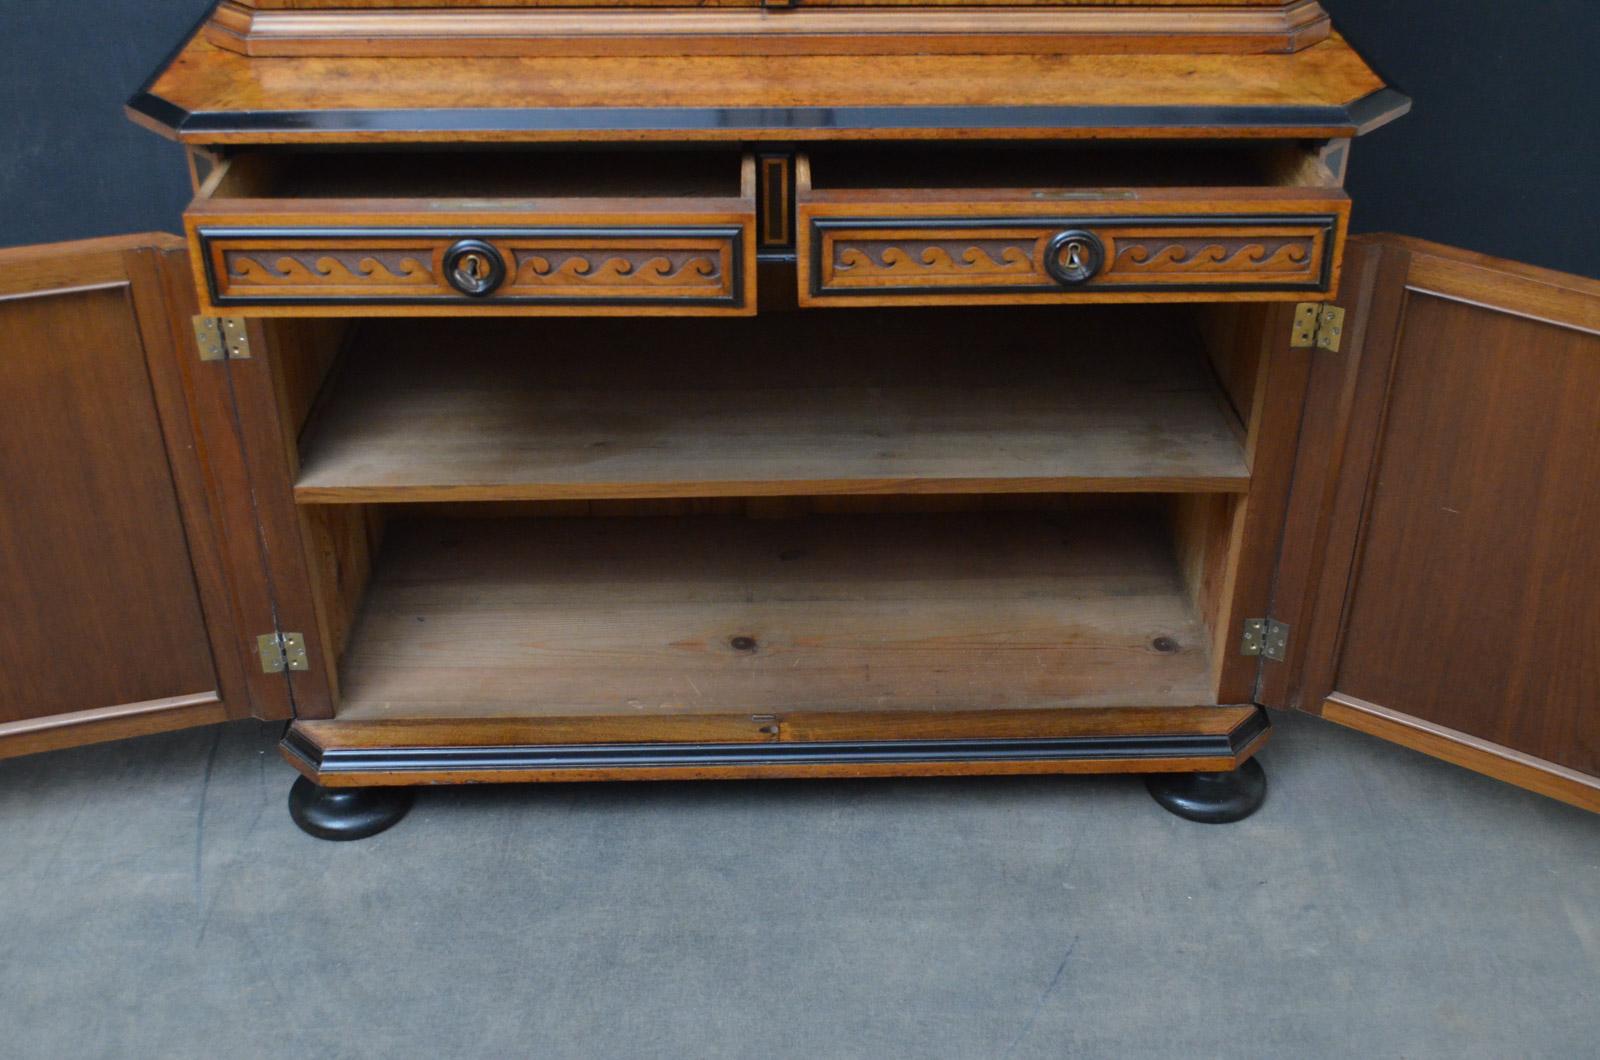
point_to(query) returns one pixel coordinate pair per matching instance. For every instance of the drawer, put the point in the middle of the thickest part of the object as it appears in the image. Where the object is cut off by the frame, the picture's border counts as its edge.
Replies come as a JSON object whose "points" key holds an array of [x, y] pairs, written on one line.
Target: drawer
{"points": [[999, 227], [493, 233]]}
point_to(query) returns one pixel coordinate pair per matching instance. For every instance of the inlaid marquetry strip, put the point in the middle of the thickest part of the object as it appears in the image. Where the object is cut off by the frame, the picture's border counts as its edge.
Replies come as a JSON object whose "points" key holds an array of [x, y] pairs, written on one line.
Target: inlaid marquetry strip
{"points": [[777, 207]]}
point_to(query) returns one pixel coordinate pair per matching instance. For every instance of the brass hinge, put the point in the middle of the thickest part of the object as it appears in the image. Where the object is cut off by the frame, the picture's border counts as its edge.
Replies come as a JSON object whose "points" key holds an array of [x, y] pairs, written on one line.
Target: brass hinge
{"points": [[222, 338], [1264, 637], [1317, 326], [282, 651]]}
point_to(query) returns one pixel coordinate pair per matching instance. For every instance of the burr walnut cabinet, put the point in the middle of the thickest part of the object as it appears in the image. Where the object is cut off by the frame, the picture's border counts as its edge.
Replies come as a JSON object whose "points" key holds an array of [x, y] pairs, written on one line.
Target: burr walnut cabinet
{"points": [[618, 390]]}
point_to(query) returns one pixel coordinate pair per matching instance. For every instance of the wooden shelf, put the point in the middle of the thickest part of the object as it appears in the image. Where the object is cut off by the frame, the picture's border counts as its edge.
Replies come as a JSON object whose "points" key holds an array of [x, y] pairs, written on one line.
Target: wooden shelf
{"points": [[866, 402], [657, 617]]}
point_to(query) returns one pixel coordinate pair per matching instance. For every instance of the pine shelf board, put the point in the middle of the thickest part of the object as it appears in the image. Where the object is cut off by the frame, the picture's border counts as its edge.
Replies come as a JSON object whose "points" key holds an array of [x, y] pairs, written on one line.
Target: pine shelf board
{"points": [[651, 617], [852, 402]]}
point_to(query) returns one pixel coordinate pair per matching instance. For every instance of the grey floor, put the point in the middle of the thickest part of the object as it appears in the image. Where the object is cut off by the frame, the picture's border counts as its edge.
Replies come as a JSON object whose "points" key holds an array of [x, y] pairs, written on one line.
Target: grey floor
{"points": [[155, 901]]}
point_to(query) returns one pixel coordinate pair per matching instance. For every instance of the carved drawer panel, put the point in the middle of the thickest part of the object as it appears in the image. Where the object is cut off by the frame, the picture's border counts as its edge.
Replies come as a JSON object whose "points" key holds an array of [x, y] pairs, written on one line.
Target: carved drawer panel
{"points": [[666, 266], [498, 254], [911, 246]]}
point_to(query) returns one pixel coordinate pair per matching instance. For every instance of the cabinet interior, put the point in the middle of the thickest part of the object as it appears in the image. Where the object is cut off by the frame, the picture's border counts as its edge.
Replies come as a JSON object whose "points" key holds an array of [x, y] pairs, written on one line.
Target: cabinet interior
{"points": [[456, 173], [1141, 164], [873, 509], [715, 173]]}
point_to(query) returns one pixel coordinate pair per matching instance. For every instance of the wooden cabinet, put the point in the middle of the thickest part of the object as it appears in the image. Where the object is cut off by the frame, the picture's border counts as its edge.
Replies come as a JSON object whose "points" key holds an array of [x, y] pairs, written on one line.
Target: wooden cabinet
{"points": [[1079, 468]]}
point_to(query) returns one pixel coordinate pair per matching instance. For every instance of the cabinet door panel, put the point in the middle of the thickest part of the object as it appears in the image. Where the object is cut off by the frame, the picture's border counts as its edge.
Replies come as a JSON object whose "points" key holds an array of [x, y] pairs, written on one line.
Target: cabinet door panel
{"points": [[107, 627], [1457, 607]]}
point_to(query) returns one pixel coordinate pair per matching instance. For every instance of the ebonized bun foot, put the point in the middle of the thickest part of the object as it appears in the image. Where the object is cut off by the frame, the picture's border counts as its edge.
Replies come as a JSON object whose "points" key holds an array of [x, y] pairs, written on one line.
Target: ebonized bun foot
{"points": [[346, 813], [1211, 798]]}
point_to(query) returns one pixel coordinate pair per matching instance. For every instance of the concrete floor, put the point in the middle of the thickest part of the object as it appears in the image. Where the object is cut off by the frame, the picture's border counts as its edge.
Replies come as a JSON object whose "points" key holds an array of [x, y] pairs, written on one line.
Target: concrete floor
{"points": [[156, 901]]}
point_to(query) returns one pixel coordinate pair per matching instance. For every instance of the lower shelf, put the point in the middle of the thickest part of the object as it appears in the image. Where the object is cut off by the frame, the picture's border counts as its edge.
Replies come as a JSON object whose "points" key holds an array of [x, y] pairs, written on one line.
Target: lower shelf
{"points": [[635, 619]]}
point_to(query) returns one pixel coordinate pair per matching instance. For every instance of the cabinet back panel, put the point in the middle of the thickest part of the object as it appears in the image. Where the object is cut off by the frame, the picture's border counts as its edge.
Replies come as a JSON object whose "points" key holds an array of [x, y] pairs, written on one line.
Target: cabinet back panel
{"points": [[98, 602]]}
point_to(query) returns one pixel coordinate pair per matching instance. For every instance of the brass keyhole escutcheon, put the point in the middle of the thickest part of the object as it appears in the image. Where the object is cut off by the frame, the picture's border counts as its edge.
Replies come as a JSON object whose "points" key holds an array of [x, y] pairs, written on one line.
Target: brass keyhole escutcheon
{"points": [[1074, 257], [474, 268]]}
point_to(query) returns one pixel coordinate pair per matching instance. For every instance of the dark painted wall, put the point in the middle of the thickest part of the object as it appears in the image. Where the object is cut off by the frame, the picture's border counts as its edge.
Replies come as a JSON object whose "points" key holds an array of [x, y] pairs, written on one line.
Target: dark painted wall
{"points": [[1501, 155], [1501, 152], [71, 166]]}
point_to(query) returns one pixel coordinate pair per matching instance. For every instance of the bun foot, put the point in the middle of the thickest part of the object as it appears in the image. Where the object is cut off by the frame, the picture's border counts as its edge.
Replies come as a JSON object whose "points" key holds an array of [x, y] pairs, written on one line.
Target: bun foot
{"points": [[346, 813], [1211, 798]]}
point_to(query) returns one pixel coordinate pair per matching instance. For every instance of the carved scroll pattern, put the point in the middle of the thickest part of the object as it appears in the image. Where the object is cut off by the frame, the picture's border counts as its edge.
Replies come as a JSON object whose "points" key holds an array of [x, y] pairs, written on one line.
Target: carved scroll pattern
{"points": [[322, 271], [585, 269], [869, 262], [1153, 259]]}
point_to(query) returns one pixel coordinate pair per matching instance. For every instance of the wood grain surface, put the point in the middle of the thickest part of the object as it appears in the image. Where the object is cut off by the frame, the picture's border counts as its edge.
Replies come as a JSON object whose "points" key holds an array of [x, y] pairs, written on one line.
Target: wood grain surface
{"points": [[212, 95], [746, 27], [1486, 489], [641, 617], [1456, 598], [884, 401], [333, 235], [976, 227], [116, 620]]}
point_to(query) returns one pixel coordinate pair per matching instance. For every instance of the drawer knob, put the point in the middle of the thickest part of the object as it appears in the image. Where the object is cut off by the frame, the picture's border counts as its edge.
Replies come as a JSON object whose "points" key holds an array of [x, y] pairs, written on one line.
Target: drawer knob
{"points": [[1074, 256], [474, 268]]}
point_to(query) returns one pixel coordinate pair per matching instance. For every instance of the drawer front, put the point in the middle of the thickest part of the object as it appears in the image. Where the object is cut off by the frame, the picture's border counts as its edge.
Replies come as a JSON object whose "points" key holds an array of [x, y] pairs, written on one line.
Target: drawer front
{"points": [[954, 229], [1068, 257], [461, 269]]}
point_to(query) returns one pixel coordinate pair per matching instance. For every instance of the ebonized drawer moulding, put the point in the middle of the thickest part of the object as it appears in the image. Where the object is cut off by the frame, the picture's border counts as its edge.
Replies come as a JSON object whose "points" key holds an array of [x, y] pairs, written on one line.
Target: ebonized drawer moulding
{"points": [[918, 389]]}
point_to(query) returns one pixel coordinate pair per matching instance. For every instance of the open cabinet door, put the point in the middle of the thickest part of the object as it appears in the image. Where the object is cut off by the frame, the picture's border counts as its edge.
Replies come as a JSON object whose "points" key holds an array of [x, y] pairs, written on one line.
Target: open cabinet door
{"points": [[1441, 565], [116, 615]]}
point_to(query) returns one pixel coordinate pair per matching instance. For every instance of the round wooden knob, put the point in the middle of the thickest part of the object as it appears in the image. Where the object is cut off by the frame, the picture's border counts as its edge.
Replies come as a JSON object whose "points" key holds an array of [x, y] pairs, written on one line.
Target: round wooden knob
{"points": [[1074, 257], [474, 268]]}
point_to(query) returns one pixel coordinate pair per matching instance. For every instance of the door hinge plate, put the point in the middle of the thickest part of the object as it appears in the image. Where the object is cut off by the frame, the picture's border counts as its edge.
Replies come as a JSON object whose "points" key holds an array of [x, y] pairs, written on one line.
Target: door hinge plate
{"points": [[282, 651], [1317, 326], [1266, 638], [222, 338]]}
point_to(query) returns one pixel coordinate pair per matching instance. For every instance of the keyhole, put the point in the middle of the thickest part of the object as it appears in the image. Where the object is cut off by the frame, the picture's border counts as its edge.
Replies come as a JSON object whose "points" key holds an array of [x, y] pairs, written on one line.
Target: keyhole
{"points": [[473, 267], [1073, 257]]}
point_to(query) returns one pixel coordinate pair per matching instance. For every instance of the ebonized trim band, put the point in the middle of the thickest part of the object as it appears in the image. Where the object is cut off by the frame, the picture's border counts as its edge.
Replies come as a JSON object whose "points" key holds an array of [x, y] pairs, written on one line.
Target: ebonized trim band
{"points": [[1361, 115], [1378, 109], [530, 758]]}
